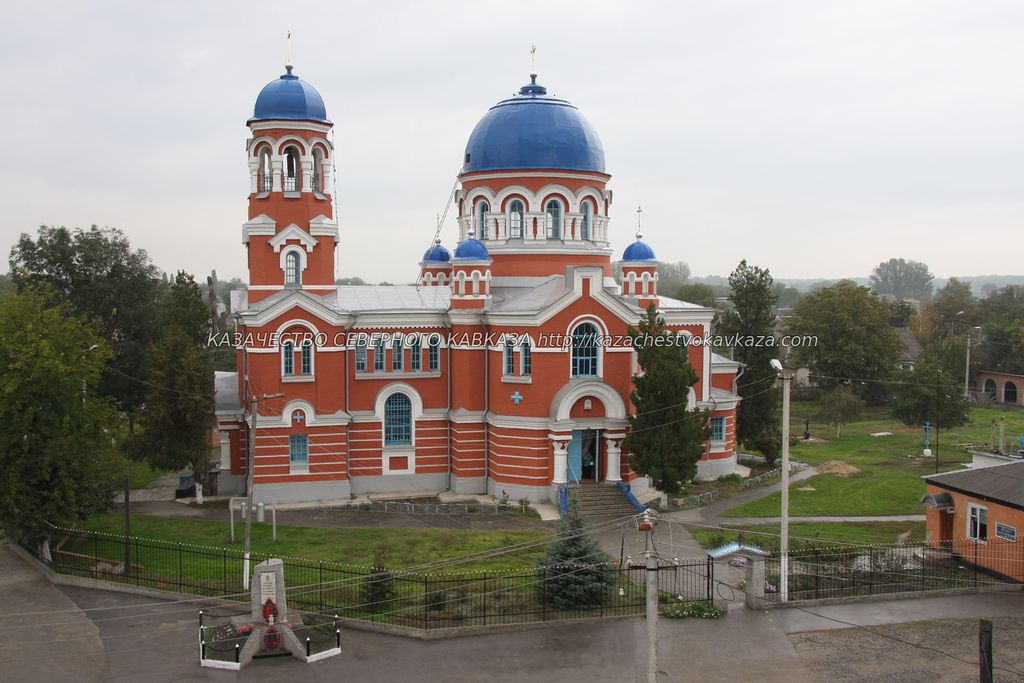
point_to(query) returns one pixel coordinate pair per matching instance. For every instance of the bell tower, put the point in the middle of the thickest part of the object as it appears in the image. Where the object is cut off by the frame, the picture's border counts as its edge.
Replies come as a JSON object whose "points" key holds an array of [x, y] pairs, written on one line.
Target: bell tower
{"points": [[291, 235]]}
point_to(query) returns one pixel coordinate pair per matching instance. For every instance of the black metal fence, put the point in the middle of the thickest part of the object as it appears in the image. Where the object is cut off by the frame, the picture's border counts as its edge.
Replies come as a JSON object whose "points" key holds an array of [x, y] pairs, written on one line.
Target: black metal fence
{"points": [[856, 570], [413, 599]]}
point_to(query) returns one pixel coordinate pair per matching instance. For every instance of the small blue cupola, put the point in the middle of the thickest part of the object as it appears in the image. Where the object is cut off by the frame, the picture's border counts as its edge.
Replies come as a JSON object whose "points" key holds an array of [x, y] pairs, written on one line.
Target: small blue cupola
{"points": [[471, 249], [639, 251], [437, 254], [289, 97]]}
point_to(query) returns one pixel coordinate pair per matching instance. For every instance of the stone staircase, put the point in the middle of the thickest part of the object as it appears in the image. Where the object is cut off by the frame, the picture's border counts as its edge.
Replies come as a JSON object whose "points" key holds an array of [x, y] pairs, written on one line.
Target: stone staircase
{"points": [[602, 501]]}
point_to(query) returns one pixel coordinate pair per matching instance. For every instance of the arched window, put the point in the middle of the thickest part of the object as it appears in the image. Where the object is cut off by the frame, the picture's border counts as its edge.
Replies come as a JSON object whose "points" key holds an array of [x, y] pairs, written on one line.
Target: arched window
{"points": [[306, 364], [515, 219], [318, 170], [585, 342], [990, 388], [397, 420], [510, 357], [434, 353], [585, 222], [288, 359], [416, 354], [553, 219], [378, 356], [361, 354], [481, 219], [266, 171], [291, 169], [292, 269], [1009, 393], [525, 359]]}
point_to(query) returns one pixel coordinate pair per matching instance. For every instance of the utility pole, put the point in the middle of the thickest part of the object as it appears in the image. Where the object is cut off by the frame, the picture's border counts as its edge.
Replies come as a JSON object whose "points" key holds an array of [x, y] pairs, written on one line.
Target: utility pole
{"points": [[938, 388], [786, 375], [967, 368], [249, 463], [647, 526]]}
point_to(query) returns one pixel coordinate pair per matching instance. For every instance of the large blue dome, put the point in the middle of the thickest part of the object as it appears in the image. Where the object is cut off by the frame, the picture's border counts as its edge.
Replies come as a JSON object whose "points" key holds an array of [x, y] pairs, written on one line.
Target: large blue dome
{"points": [[289, 97], [533, 131]]}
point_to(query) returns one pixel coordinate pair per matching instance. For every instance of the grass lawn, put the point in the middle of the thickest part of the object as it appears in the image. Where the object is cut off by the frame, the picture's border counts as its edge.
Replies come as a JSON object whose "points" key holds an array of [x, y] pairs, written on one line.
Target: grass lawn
{"points": [[888, 483], [396, 547], [141, 474], [813, 533]]}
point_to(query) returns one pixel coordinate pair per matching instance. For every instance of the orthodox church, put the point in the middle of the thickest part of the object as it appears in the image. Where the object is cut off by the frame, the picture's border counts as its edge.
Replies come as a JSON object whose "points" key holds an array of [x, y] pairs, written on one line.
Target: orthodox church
{"points": [[506, 369]]}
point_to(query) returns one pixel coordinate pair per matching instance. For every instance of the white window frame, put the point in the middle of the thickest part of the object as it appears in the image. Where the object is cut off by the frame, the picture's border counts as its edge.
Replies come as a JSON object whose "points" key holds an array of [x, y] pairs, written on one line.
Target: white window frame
{"points": [[725, 425], [982, 510]]}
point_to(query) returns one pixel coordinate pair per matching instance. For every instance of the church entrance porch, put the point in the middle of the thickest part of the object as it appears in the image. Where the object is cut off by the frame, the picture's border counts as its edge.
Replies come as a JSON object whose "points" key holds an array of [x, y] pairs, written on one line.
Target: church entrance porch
{"points": [[584, 456]]}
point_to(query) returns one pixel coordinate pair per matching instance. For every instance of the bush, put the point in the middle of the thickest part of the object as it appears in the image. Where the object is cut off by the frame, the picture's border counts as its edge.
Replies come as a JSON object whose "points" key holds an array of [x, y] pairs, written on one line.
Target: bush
{"points": [[379, 587], [696, 609], [730, 478]]}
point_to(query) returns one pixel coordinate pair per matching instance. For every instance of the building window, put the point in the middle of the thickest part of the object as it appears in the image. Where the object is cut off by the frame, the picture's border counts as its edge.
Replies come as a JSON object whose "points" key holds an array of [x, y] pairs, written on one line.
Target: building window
{"points": [[360, 355], [292, 269], [510, 357], [990, 389], [396, 354], [397, 420], [718, 430], [298, 451], [291, 169], [585, 222], [1009, 393], [266, 171], [553, 219], [526, 359], [307, 358], [481, 219], [434, 354], [416, 355], [318, 163], [515, 219], [378, 356], [585, 342], [977, 523], [288, 359]]}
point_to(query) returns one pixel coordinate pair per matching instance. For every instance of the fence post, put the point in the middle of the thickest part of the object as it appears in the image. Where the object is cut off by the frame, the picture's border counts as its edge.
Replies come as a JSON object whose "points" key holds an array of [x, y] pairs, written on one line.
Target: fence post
{"points": [[181, 573], [321, 591], [871, 570], [224, 572], [485, 598], [817, 574], [711, 569]]}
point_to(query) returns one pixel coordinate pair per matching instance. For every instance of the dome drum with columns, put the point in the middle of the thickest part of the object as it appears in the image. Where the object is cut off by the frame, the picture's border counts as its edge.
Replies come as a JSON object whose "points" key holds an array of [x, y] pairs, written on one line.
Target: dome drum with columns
{"points": [[488, 375]]}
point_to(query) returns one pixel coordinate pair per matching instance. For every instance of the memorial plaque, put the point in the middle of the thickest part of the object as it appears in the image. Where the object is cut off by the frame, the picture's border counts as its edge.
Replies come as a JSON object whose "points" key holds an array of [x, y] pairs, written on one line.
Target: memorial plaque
{"points": [[268, 587]]}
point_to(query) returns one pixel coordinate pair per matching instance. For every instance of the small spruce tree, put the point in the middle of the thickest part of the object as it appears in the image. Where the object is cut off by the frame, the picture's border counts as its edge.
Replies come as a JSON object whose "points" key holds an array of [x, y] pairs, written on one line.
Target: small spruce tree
{"points": [[574, 572], [379, 586]]}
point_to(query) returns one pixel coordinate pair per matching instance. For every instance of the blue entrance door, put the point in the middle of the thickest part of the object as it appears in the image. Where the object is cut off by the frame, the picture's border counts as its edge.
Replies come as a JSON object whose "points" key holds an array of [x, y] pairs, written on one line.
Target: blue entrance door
{"points": [[575, 468]]}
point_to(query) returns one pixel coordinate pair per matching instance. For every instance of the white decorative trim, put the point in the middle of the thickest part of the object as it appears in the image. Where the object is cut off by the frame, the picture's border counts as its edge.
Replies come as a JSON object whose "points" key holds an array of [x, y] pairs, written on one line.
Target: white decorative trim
{"points": [[562, 402], [293, 232], [323, 226], [262, 225]]}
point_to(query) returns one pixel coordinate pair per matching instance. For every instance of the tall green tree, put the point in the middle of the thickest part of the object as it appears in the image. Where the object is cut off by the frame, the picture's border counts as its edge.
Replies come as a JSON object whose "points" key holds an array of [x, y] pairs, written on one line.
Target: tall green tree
{"points": [[57, 464], [575, 572], [902, 279], [665, 440], [696, 293], [105, 280], [178, 415], [855, 341], [1002, 333], [752, 316]]}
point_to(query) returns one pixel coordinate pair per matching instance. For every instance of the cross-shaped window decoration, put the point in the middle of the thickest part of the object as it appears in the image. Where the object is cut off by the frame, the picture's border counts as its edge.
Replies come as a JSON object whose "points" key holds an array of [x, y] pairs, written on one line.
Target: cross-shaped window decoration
{"points": [[517, 398]]}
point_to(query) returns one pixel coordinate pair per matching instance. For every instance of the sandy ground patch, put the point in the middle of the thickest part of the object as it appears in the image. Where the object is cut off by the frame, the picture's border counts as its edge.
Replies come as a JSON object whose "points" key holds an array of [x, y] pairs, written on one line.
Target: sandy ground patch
{"points": [[838, 468]]}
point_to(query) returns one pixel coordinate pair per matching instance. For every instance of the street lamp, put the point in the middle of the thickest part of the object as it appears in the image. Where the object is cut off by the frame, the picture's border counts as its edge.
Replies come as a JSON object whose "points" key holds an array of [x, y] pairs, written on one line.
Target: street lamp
{"points": [[786, 376], [250, 456]]}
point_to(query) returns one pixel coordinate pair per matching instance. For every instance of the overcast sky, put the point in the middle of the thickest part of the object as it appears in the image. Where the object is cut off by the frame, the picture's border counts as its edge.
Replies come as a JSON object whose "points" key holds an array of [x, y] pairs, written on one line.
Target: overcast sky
{"points": [[814, 138]]}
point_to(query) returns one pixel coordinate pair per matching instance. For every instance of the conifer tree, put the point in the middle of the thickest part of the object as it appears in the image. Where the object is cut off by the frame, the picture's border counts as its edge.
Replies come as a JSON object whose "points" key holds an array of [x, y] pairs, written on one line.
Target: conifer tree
{"points": [[575, 573], [666, 439]]}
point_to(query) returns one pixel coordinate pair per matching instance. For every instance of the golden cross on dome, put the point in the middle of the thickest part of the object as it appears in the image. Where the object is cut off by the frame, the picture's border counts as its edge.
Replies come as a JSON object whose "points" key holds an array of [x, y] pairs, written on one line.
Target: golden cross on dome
{"points": [[533, 59], [289, 65], [639, 211]]}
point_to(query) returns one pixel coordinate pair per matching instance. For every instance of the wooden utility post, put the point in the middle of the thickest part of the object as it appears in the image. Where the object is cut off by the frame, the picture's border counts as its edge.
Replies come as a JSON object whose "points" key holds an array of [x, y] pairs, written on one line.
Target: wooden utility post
{"points": [[985, 650]]}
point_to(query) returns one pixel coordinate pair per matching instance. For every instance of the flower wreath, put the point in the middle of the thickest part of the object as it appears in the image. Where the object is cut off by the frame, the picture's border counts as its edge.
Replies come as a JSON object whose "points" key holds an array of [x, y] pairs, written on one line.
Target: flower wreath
{"points": [[271, 639], [269, 610]]}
